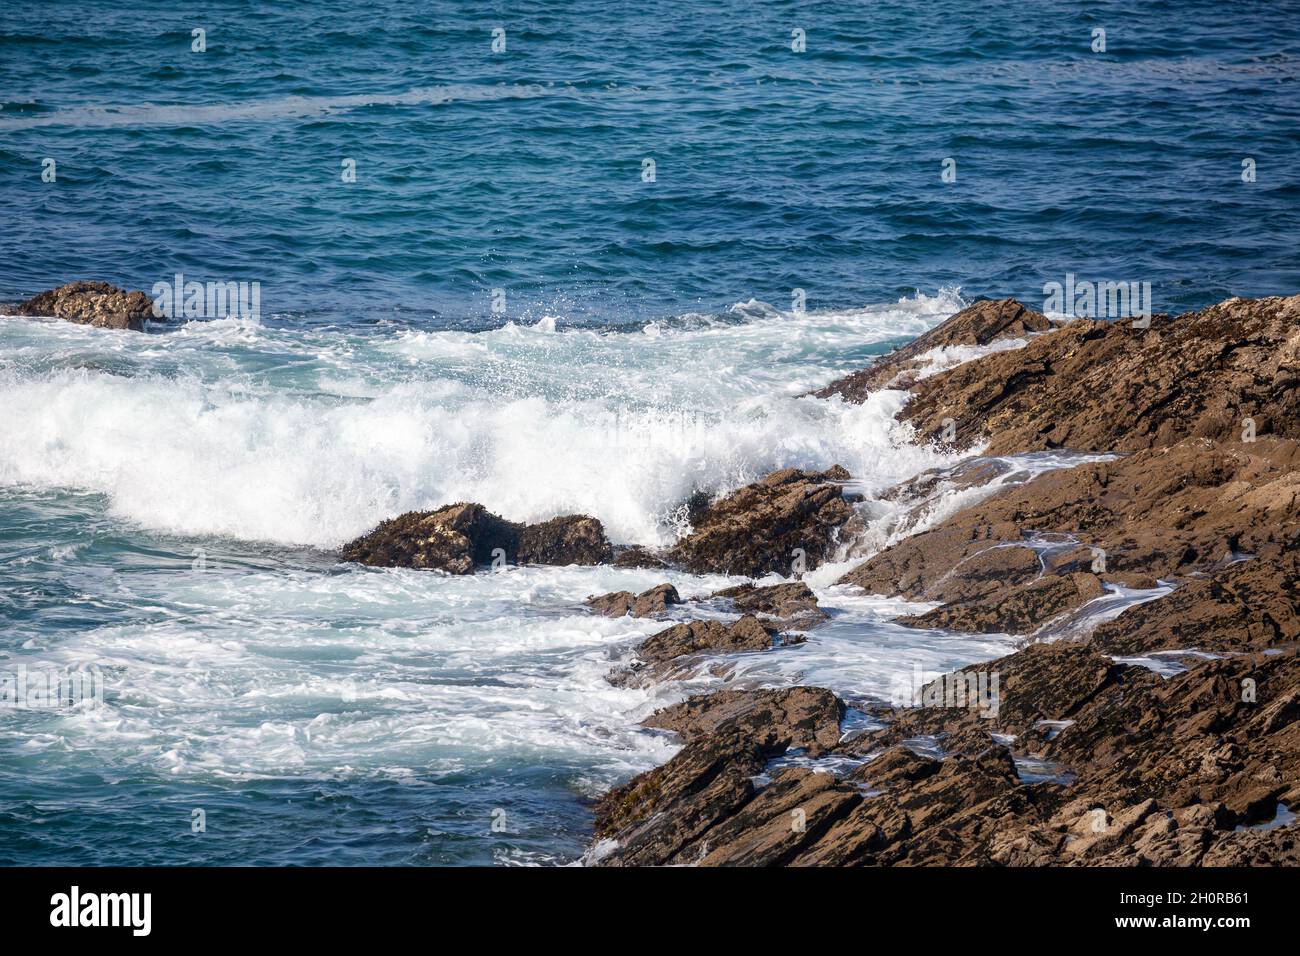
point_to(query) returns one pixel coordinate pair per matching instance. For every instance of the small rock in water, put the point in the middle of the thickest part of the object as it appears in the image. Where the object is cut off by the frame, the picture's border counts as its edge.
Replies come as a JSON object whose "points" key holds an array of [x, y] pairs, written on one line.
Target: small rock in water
{"points": [[648, 603], [97, 304], [460, 537], [793, 603]]}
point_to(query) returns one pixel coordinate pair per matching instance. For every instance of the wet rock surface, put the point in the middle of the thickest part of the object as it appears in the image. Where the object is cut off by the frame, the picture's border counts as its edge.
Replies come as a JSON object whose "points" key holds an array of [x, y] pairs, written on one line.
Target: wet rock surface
{"points": [[1108, 386], [979, 324], [792, 603], [803, 717], [1153, 771], [569, 539], [462, 537], [679, 650], [97, 304], [1250, 604], [790, 519], [636, 556], [649, 603], [1024, 556]]}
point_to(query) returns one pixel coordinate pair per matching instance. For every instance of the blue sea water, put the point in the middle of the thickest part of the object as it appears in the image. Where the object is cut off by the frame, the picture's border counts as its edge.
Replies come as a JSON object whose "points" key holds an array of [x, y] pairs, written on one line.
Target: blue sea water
{"points": [[775, 170], [170, 503]]}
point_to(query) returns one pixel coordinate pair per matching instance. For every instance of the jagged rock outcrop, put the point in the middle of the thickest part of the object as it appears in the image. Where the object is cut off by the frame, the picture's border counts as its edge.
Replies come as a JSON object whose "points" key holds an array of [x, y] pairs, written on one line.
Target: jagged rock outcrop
{"points": [[1166, 736], [458, 538], [789, 519], [804, 717], [1016, 610], [1037, 549], [1249, 605], [98, 304], [1109, 386], [569, 539], [1187, 770], [978, 324], [659, 816]]}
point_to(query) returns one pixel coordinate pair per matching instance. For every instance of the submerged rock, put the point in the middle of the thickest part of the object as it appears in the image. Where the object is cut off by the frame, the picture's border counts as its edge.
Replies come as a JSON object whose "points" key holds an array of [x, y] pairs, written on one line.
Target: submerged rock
{"points": [[98, 304], [458, 538], [978, 324], [790, 520]]}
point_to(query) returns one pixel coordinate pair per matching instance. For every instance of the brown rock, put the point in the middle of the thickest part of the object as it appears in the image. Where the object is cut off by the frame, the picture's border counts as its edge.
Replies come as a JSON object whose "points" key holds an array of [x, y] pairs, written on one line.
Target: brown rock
{"points": [[761, 528], [1133, 768], [1107, 386], [1013, 610], [785, 819], [1276, 847], [804, 717], [657, 817], [678, 651], [1165, 772], [668, 815], [636, 556], [792, 603], [1161, 513], [98, 304], [457, 538], [569, 539], [1248, 605], [918, 570], [978, 324], [694, 637], [649, 603]]}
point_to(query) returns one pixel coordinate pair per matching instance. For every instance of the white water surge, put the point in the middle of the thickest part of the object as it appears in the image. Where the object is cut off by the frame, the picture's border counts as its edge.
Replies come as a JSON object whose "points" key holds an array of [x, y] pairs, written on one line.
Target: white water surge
{"points": [[310, 437]]}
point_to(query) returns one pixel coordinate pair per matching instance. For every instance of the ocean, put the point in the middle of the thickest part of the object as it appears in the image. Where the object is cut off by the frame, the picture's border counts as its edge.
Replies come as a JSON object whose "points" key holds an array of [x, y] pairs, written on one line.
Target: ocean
{"points": [[554, 258]]}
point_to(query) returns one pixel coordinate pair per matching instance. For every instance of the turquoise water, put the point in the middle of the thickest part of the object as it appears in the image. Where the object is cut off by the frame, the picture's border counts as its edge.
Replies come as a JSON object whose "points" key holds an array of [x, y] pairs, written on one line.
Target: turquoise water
{"points": [[170, 504]]}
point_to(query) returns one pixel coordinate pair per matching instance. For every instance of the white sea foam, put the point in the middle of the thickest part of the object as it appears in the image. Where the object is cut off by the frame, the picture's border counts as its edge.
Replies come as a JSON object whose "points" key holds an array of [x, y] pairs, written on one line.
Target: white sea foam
{"points": [[385, 672], [184, 432]]}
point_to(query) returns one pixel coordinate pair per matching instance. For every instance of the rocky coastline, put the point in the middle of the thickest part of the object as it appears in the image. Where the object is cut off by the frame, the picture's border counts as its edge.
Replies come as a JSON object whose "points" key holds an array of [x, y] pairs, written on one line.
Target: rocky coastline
{"points": [[1167, 733]]}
